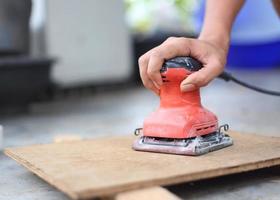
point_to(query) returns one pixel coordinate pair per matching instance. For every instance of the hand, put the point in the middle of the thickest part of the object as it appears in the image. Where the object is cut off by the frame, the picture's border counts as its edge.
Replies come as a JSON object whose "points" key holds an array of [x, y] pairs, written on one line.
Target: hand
{"points": [[213, 58]]}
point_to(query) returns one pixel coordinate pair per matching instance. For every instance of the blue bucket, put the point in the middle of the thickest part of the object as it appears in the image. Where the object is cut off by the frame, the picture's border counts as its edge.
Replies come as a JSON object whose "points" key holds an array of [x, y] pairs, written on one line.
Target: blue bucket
{"points": [[254, 56]]}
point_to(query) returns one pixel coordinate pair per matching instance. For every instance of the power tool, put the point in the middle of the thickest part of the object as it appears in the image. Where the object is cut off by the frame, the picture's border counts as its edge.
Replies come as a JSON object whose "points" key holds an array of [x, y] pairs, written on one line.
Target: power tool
{"points": [[181, 125]]}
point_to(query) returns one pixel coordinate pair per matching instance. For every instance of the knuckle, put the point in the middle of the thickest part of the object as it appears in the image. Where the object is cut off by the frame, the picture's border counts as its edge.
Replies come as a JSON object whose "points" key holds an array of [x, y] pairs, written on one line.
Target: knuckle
{"points": [[172, 46], [183, 40], [157, 54], [142, 61], [148, 85], [180, 39], [152, 72], [170, 39], [146, 82], [189, 42]]}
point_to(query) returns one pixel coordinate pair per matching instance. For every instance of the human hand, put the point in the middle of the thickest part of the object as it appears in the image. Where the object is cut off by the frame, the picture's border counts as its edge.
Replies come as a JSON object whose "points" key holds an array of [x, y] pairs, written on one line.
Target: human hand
{"points": [[211, 55]]}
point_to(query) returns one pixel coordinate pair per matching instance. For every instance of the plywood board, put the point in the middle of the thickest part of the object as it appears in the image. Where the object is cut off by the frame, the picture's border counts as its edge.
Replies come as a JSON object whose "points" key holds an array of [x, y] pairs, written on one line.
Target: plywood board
{"points": [[152, 193], [101, 167]]}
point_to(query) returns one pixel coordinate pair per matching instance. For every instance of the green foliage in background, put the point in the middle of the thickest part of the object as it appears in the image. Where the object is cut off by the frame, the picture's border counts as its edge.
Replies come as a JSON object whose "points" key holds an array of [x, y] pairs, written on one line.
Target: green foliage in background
{"points": [[140, 17]]}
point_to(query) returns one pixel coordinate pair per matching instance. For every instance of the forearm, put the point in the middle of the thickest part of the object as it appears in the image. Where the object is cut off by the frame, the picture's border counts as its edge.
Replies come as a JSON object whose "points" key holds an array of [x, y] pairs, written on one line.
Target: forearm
{"points": [[219, 17], [276, 4]]}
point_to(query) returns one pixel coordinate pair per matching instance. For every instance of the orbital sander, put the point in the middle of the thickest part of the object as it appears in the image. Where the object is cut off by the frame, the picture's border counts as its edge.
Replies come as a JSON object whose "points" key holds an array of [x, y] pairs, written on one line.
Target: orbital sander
{"points": [[181, 125]]}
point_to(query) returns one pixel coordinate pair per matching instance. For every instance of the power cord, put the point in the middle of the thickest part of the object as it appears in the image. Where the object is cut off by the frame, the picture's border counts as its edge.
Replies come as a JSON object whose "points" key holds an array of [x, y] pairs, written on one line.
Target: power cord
{"points": [[228, 77]]}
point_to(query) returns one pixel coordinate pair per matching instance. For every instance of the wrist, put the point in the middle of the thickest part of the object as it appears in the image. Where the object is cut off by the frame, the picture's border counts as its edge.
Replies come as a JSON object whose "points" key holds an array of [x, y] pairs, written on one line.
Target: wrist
{"points": [[220, 40]]}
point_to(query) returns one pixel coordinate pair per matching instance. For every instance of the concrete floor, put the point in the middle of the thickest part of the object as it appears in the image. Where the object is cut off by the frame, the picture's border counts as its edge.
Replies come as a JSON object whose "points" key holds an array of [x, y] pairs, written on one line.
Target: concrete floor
{"points": [[121, 111]]}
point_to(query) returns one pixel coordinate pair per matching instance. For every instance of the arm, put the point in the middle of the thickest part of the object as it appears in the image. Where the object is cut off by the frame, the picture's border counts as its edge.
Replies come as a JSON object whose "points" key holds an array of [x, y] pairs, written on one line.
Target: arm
{"points": [[276, 4], [218, 21], [210, 48]]}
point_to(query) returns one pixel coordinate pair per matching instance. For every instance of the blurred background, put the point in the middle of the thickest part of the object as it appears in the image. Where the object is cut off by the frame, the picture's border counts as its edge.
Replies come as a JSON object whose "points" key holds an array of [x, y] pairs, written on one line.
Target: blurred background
{"points": [[63, 58], [69, 68]]}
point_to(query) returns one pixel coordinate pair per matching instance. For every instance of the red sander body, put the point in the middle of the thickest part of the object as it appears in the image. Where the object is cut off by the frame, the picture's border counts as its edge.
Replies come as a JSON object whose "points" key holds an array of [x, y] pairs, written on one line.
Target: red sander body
{"points": [[181, 125]]}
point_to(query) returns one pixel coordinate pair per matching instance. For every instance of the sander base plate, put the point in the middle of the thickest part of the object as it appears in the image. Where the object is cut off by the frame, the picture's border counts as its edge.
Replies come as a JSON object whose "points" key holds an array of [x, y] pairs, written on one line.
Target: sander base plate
{"points": [[190, 146]]}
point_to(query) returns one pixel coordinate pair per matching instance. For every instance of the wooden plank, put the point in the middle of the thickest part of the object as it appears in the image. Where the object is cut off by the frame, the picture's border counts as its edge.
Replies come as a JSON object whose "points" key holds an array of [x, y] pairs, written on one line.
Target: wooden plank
{"points": [[103, 167], [152, 193]]}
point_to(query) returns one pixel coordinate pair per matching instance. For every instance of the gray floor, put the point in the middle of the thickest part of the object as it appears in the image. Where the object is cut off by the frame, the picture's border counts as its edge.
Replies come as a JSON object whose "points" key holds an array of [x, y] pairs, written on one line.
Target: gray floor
{"points": [[120, 112]]}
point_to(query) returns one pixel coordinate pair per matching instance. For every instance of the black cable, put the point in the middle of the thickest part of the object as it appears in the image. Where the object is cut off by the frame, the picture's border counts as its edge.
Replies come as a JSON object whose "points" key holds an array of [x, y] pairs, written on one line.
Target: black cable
{"points": [[228, 77]]}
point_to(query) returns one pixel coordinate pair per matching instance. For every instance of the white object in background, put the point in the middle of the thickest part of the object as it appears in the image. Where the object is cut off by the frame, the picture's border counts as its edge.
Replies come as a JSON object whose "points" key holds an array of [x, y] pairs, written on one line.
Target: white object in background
{"points": [[1, 138], [37, 28], [90, 39]]}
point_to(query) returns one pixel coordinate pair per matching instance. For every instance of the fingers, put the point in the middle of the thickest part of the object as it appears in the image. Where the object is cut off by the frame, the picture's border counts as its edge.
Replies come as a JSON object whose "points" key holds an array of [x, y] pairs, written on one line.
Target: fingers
{"points": [[143, 65], [154, 66], [151, 62], [202, 77], [212, 58]]}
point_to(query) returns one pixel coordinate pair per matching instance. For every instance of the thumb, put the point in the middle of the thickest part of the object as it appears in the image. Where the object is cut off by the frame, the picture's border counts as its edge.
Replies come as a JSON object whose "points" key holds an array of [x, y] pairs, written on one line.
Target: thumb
{"points": [[198, 79]]}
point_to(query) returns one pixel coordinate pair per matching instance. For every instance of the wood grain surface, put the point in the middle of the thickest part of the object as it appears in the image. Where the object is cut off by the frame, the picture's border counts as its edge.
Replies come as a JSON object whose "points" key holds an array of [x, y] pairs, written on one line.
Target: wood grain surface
{"points": [[106, 166]]}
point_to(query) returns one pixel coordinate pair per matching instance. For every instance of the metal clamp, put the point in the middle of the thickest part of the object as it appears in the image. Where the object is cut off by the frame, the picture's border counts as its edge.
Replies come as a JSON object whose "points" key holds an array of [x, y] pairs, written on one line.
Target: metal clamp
{"points": [[137, 131], [225, 127]]}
